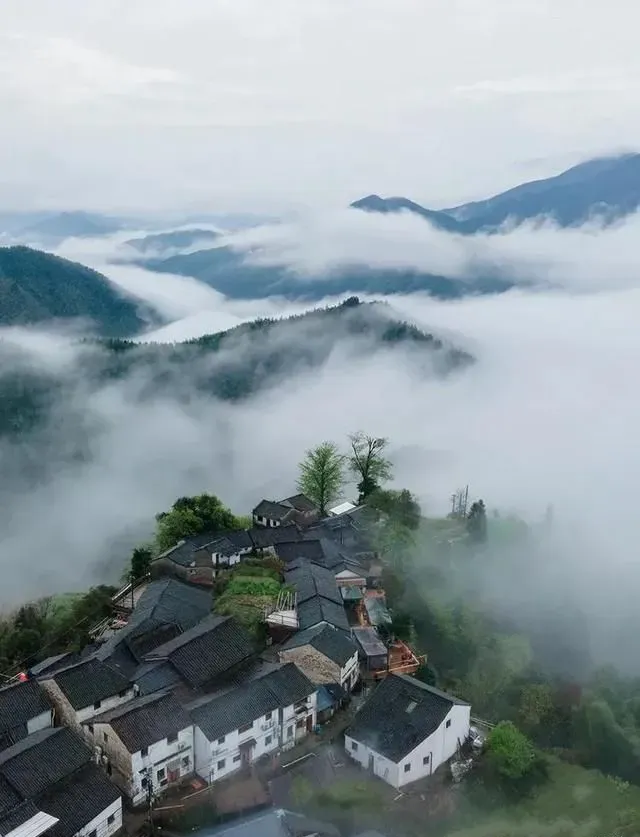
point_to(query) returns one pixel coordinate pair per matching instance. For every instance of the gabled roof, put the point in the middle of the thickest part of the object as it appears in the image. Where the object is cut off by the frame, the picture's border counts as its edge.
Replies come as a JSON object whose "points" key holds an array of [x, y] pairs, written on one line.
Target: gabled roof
{"points": [[319, 609], [208, 650], [334, 644], [78, 800], [166, 608], [46, 757], [19, 703], [301, 503], [276, 822], [89, 682], [399, 715], [26, 814], [54, 662], [312, 580], [271, 510], [320, 551], [243, 705], [144, 721], [263, 538], [155, 676]]}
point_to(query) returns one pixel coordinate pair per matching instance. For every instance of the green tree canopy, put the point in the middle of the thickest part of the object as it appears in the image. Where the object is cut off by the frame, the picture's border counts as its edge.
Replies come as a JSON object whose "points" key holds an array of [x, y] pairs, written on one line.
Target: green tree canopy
{"points": [[400, 506], [511, 753], [190, 516], [368, 463], [141, 558], [477, 522], [321, 475]]}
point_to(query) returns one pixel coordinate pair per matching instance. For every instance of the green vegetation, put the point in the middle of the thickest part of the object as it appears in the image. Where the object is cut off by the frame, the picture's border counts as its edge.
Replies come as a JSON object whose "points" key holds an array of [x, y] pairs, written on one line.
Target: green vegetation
{"points": [[247, 590], [38, 287], [190, 516], [509, 752], [322, 475], [368, 463]]}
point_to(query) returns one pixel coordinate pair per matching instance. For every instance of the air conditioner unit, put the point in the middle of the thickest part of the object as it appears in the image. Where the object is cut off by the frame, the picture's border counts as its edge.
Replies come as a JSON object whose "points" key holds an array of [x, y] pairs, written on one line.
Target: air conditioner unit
{"points": [[183, 745], [105, 759]]}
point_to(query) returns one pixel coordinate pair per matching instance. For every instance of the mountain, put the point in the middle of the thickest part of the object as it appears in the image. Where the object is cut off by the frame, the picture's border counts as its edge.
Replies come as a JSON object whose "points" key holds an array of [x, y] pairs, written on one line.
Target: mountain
{"points": [[374, 203], [233, 274], [53, 228], [605, 189], [37, 287], [173, 240], [230, 365]]}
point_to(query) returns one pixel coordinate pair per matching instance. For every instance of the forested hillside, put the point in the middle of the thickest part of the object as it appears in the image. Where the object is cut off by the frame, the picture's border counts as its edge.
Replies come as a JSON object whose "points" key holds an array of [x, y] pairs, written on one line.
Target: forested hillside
{"points": [[38, 287]]}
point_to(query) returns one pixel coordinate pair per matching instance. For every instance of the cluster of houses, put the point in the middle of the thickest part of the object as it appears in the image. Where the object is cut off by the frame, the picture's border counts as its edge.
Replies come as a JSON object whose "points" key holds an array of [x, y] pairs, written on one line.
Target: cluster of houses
{"points": [[171, 693]]}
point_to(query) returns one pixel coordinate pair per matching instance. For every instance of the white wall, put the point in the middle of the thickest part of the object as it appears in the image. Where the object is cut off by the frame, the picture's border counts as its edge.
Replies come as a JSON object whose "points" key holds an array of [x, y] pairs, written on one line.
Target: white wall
{"points": [[100, 823], [382, 766], [270, 734], [40, 722], [108, 703], [158, 757], [350, 672], [438, 748]]}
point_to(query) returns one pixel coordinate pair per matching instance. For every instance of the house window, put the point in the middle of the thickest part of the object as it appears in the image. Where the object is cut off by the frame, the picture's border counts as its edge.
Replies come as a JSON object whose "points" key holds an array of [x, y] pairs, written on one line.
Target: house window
{"points": [[97, 704], [267, 741], [160, 774], [407, 768], [267, 717], [93, 833], [90, 728], [246, 727], [236, 758], [448, 724], [289, 732], [105, 737], [221, 764], [111, 819], [144, 783], [171, 739], [221, 740], [354, 746], [144, 752], [425, 760], [123, 693], [185, 761]]}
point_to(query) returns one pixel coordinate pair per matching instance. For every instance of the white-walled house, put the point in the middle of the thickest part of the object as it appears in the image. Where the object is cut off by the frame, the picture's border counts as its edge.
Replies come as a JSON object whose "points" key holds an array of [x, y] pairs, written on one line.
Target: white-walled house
{"points": [[24, 708], [325, 654], [239, 726], [146, 745], [81, 691], [51, 775], [406, 730]]}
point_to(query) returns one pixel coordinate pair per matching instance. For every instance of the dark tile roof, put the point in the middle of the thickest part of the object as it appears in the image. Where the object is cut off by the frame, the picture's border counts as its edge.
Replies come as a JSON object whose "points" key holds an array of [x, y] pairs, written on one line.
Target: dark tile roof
{"points": [[318, 609], [146, 720], [20, 702], [334, 644], [90, 681], [318, 550], [312, 580], [276, 822], [271, 510], [208, 650], [54, 663], [301, 503], [17, 816], [46, 757], [78, 800], [244, 704], [155, 676], [399, 715], [166, 608], [9, 798], [263, 538], [232, 539]]}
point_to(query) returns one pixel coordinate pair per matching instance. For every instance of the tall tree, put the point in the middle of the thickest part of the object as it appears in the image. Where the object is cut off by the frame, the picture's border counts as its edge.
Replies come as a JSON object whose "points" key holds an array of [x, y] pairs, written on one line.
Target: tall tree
{"points": [[141, 558], [400, 506], [190, 516], [322, 475], [477, 522], [368, 463]]}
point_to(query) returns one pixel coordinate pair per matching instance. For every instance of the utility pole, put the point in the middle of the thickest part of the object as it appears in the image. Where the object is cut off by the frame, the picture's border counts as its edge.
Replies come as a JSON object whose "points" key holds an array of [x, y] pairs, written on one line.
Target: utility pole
{"points": [[146, 773]]}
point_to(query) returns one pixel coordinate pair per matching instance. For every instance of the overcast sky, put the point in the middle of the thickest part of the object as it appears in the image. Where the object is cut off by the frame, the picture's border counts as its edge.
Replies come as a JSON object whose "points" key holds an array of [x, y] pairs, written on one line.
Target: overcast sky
{"points": [[269, 105]]}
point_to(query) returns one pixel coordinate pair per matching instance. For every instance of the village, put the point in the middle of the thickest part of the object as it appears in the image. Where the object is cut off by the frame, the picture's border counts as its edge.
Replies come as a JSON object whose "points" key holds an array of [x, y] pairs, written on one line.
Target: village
{"points": [[175, 703]]}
